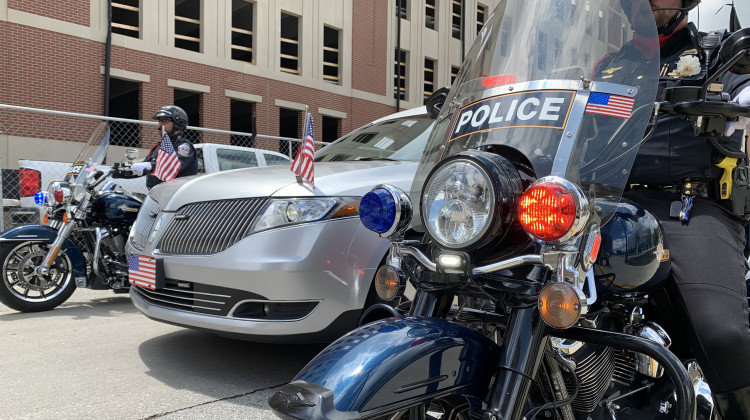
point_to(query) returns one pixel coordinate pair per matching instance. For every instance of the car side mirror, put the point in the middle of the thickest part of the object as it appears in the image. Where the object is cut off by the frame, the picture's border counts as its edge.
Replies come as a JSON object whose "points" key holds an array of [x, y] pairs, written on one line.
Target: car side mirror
{"points": [[737, 47], [131, 154], [436, 100]]}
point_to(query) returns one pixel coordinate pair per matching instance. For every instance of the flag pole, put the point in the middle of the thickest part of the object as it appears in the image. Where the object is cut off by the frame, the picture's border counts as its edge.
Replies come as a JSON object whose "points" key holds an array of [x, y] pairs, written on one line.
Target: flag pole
{"points": [[302, 144]]}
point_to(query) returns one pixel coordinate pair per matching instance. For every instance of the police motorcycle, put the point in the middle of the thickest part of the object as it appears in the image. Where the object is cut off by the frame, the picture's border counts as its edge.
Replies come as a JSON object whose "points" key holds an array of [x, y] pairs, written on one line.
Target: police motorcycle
{"points": [[87, 219], [533, 274]]}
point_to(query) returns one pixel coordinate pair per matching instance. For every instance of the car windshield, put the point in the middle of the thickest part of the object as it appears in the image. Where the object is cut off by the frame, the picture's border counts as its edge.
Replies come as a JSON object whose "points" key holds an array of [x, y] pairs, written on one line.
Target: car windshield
{"points": [[402, 139]]}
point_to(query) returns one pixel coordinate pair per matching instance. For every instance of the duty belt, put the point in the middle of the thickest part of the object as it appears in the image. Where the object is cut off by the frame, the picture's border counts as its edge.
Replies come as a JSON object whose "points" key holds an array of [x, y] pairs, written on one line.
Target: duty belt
{"points": [[690, 188]]}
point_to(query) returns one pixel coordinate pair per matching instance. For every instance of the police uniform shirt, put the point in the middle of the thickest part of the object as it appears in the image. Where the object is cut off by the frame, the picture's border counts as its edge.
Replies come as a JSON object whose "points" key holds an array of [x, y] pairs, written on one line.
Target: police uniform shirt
{"points": [[673, 153]]}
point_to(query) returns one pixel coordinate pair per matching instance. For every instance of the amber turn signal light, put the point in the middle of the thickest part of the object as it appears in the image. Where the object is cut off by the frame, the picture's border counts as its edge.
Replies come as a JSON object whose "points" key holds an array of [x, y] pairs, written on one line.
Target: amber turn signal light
{"points": [[387, 282], [561, 305]]}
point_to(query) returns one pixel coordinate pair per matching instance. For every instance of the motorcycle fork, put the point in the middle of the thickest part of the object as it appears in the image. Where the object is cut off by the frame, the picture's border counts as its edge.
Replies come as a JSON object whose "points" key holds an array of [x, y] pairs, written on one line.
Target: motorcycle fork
{"points": [[54, 247], [520, 356], [432, 304]]}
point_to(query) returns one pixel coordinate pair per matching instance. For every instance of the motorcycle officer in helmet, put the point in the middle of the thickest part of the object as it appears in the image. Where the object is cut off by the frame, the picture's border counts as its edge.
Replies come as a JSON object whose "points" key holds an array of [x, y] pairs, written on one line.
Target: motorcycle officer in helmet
{"points": [[675, 176], [172, 120]]}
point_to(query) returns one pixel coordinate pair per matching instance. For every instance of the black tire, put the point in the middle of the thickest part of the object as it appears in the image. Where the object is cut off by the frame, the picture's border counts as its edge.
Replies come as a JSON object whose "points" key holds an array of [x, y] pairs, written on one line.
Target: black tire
{"points": [[22, 288]]}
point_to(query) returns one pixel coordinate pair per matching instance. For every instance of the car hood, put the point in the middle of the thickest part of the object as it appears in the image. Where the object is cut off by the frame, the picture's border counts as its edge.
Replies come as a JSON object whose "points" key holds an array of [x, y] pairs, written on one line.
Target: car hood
{"points": [[352, 178]]}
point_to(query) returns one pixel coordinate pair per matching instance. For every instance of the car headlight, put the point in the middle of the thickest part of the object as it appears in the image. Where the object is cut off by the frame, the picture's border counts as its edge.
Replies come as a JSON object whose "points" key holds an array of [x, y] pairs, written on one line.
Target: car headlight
{"points": [[283, 212], [457, 203]]}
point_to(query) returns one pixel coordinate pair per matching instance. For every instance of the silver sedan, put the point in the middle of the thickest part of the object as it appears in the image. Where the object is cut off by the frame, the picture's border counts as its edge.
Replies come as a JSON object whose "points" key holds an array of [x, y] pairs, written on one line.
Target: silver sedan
{"points": [[253, 254]]}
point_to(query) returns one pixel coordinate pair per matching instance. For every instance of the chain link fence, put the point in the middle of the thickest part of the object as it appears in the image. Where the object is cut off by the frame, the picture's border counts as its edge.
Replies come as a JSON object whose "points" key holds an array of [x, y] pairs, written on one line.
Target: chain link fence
{"points": [[49, 141]]}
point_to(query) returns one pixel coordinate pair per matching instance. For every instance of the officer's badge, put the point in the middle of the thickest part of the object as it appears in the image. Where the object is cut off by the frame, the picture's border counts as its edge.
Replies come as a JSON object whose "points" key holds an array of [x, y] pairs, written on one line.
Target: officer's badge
{"points": [[183, 150], [687, 65]]}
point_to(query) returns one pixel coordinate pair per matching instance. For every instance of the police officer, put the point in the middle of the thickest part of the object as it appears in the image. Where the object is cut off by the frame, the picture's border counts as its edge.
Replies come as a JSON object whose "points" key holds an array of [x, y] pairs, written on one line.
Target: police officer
{"points": [[173, 120], [706, 239]]}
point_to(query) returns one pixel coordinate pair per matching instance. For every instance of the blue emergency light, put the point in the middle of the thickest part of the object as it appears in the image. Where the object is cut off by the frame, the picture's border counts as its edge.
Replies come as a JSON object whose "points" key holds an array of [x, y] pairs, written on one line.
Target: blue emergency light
{"points": [[40, 198], [377, 211]]}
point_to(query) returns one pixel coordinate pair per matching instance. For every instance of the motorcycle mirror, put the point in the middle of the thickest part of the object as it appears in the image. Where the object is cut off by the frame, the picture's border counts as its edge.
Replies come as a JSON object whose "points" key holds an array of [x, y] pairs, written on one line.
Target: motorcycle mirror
{"points": [[737, 43], [436, 100], [131, 154]]}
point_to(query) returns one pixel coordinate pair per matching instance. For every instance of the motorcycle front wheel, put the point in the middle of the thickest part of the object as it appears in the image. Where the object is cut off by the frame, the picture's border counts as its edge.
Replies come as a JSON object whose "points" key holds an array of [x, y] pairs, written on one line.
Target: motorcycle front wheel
{"points": [[23, 288]]}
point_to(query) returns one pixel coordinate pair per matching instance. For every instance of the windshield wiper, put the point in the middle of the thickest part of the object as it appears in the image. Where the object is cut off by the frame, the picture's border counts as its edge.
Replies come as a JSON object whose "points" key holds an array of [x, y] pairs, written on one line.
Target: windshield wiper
{"points": [[377, 158]]}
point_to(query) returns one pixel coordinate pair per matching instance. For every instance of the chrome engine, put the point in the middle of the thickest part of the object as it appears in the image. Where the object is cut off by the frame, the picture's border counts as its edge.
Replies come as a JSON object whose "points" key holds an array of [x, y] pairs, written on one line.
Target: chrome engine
{"points": [[596, 367]]}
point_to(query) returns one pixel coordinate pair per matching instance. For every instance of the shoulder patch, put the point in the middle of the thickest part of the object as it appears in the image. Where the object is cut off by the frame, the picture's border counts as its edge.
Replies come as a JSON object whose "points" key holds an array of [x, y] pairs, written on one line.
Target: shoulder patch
{"points": [[183, 149]]}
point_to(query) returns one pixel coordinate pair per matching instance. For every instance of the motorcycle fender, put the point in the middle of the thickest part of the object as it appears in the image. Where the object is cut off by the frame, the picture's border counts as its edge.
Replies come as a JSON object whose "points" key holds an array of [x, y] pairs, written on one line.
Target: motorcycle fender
{"points": [[47, 234], [388, 363]]}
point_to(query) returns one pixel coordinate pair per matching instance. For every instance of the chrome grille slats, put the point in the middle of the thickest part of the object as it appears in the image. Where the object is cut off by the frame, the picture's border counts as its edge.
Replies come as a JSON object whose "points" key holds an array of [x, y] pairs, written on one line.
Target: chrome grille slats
{"points": [[209, 227], [144, 222]]}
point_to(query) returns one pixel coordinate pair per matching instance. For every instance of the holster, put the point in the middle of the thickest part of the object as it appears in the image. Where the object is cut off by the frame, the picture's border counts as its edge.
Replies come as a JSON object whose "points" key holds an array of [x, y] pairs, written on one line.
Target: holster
{"points": [[739, 201]]}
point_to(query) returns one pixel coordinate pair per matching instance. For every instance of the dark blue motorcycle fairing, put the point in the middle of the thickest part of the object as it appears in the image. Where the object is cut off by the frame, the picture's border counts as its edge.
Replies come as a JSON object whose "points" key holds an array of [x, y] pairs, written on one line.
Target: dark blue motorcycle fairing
{"points": [[42, 233], [398, 359]]}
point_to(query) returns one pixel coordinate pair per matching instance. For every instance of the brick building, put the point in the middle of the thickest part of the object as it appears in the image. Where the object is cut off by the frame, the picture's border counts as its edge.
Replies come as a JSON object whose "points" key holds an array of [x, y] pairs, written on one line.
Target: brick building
{"points": [[350, 61]]}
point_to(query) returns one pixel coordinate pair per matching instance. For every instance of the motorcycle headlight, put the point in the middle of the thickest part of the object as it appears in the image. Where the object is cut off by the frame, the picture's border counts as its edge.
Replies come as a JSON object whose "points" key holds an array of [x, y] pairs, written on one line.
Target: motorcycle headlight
{"points": [[283, 212], [458, 202]]}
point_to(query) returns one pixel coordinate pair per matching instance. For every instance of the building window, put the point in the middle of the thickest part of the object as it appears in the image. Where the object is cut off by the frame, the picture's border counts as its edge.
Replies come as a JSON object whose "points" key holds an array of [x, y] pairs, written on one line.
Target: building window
{"points": [[191, 103], [601, 26], [290, 127], [429, 78], [243, 22], [505, 33], [541, 54], [588, 23], [399, 75], [402, 9], [289, 57], [430, 14], [242, 120], [331, 72], [454, 73], [331, 129], [187, 24], [572, 14], [456, 18], [559, 11], [481, 16], [124, 100], [126, 18]]}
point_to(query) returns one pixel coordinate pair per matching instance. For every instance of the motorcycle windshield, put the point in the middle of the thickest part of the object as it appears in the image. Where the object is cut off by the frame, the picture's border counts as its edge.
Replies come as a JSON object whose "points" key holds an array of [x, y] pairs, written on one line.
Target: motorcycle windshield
{"points": [[92, 155], [567, 86]]}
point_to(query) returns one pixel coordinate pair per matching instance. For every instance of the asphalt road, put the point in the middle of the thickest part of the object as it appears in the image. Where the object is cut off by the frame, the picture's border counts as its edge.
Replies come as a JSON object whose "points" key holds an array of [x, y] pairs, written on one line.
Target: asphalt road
{"points": [[97, 357]]}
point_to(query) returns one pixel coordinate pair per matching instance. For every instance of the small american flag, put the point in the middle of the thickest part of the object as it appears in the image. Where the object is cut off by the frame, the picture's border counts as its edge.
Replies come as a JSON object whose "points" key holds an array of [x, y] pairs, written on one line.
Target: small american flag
{"points": [[608, 104], [142, 271], [167, 163], [302, 165]]}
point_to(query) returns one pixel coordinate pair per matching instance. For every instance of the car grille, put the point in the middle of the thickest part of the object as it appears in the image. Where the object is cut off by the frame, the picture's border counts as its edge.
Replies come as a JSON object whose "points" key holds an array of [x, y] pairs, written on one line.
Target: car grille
{"points": [[144, 222], [209, 227], [220, 301]]}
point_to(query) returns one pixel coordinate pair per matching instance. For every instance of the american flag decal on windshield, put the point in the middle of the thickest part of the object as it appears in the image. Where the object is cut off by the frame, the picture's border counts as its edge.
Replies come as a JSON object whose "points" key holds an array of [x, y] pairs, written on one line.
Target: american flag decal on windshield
{"points": [[611, 105]]}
